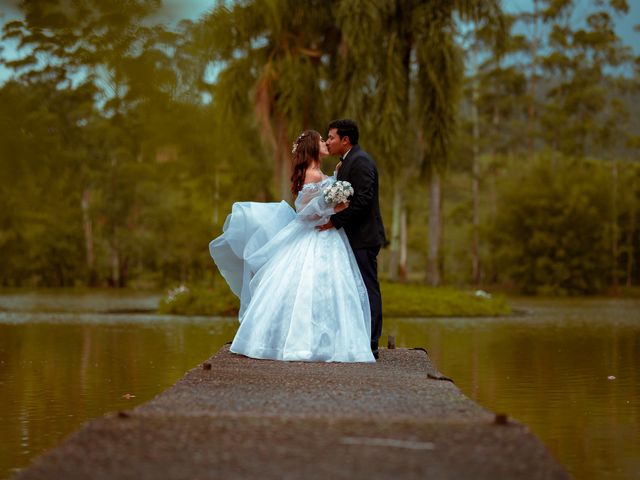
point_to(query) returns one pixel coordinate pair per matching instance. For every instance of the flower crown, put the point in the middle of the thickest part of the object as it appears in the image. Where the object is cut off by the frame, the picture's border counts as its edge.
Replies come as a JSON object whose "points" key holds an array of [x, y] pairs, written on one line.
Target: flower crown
{"points": [[297, 142]]}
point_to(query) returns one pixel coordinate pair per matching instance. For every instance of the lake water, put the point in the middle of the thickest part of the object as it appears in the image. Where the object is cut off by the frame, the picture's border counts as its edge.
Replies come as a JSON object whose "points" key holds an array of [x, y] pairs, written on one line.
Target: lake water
{"points": [[570, 369]]}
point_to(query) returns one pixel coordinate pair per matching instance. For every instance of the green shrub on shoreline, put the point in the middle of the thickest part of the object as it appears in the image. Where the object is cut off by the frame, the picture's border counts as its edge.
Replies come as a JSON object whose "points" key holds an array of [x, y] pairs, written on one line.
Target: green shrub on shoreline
{"points": [[218, 301], [398, 300], [415, 300]]}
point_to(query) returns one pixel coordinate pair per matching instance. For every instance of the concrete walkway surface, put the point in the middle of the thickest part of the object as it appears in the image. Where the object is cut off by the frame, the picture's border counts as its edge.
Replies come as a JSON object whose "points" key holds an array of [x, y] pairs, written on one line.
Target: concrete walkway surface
{"points": [[235, 417]]}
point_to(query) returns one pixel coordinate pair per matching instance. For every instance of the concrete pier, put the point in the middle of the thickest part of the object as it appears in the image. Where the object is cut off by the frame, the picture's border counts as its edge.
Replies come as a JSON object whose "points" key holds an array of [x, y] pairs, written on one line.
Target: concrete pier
{"points": [[235, 417]]}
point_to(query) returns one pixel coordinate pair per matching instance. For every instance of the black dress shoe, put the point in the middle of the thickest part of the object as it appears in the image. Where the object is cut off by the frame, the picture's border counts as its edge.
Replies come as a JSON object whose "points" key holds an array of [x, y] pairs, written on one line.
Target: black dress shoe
{"points": [[375, 354]]}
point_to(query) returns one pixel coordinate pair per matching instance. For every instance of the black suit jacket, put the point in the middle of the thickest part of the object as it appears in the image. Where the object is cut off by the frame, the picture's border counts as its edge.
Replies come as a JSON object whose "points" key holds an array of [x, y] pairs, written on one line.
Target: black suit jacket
{"points": [[362, 221]]}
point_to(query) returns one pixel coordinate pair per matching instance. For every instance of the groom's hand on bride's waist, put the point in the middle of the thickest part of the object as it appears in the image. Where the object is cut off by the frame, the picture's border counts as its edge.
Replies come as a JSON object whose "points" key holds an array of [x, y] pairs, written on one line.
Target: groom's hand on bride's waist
{"points": [[326, 226]]}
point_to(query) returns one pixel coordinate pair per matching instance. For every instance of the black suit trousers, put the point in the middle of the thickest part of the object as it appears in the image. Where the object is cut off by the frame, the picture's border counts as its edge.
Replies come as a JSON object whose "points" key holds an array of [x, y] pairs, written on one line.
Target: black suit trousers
{"points": [[367, 259]]}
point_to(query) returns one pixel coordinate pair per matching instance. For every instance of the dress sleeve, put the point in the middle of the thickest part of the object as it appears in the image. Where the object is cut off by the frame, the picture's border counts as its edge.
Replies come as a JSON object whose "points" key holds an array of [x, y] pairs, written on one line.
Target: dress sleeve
{"points": [[311, 206]]}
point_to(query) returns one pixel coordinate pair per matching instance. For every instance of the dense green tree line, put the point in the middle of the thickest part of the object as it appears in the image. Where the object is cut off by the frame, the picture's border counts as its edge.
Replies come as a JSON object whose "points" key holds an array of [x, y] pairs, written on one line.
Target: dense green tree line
{"points": [[505, 157]]}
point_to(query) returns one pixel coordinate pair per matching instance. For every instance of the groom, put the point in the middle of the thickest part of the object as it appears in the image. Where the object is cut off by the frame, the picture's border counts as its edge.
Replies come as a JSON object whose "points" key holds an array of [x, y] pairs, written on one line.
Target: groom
{"points": [[362, 221]]}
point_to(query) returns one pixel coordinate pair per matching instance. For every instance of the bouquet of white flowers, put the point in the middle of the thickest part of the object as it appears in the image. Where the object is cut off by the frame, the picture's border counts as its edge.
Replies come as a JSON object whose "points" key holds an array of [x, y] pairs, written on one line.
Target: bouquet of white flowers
{"points": [[337, 192]]}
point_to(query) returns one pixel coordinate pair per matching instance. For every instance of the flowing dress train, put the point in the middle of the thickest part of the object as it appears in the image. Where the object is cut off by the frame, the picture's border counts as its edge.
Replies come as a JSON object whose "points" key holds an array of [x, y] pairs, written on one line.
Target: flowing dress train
{"points": [[302, 296]]}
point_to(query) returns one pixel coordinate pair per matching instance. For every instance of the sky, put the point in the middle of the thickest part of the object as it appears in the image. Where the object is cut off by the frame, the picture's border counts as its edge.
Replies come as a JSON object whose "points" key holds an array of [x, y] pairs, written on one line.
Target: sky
{"points": [[176, 10], [624, 24]]}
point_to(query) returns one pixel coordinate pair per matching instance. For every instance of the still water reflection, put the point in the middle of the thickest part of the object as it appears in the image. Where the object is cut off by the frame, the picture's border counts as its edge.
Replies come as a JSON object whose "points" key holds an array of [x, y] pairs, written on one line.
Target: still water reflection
{"points": [[549, 368]]}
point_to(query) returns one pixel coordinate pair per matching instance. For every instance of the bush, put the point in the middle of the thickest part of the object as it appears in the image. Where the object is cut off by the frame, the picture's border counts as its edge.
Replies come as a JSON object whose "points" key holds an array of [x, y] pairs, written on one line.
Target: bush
{"points": [[184, 300], [398, 300], [414, 300], [550, 232]]}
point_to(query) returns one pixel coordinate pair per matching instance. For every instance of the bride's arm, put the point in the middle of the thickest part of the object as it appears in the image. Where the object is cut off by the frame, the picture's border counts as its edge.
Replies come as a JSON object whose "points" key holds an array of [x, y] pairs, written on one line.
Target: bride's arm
{"points": [[311, 205], [340, 207]]}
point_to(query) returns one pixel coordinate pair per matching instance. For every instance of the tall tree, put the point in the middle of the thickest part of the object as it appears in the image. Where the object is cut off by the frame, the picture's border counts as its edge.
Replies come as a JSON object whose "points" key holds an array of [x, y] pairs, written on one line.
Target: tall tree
{"points": [[491, 110], [271, 58], [579, 60], [395, 55], [127, 65], [582, 115]]}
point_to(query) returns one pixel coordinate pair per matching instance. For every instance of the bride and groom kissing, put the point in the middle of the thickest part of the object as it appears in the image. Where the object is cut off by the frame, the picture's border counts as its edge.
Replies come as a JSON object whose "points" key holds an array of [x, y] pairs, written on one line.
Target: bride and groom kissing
{"points": [[307, 278]]}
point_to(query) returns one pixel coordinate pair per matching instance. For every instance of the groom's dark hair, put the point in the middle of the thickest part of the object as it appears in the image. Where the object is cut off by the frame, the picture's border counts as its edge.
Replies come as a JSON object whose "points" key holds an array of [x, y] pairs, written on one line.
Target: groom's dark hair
{"points": [[346, 128]]}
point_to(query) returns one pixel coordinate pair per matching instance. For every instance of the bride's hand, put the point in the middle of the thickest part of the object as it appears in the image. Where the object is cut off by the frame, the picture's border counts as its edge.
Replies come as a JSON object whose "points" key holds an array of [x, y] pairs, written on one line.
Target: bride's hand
{"points": [[340, 207]]}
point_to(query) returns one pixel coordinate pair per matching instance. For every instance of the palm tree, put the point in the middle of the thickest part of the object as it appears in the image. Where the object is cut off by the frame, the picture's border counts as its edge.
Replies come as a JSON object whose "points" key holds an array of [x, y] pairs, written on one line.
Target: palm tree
{"points": [[271, 58], [393, 65], [401, 69]]}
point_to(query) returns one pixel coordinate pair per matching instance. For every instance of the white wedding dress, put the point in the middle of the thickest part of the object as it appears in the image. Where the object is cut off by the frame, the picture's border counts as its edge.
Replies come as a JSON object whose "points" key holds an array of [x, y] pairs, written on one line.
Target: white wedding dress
{"points": [[302, 296]]}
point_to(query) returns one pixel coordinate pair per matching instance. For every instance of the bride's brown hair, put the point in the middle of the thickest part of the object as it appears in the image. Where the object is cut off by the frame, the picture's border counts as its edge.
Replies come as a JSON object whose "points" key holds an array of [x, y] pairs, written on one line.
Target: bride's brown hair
{"points": [[306, 150]]}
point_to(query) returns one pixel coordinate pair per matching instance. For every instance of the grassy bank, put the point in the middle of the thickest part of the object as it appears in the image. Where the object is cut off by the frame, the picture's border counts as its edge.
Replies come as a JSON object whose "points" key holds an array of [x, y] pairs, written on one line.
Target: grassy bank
{"points": [[415, 300], [398, 300]]}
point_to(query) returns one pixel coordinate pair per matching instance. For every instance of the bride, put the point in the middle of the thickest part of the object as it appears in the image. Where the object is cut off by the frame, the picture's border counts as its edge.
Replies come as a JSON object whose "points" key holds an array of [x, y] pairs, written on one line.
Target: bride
{"points": [[302, 296]]}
